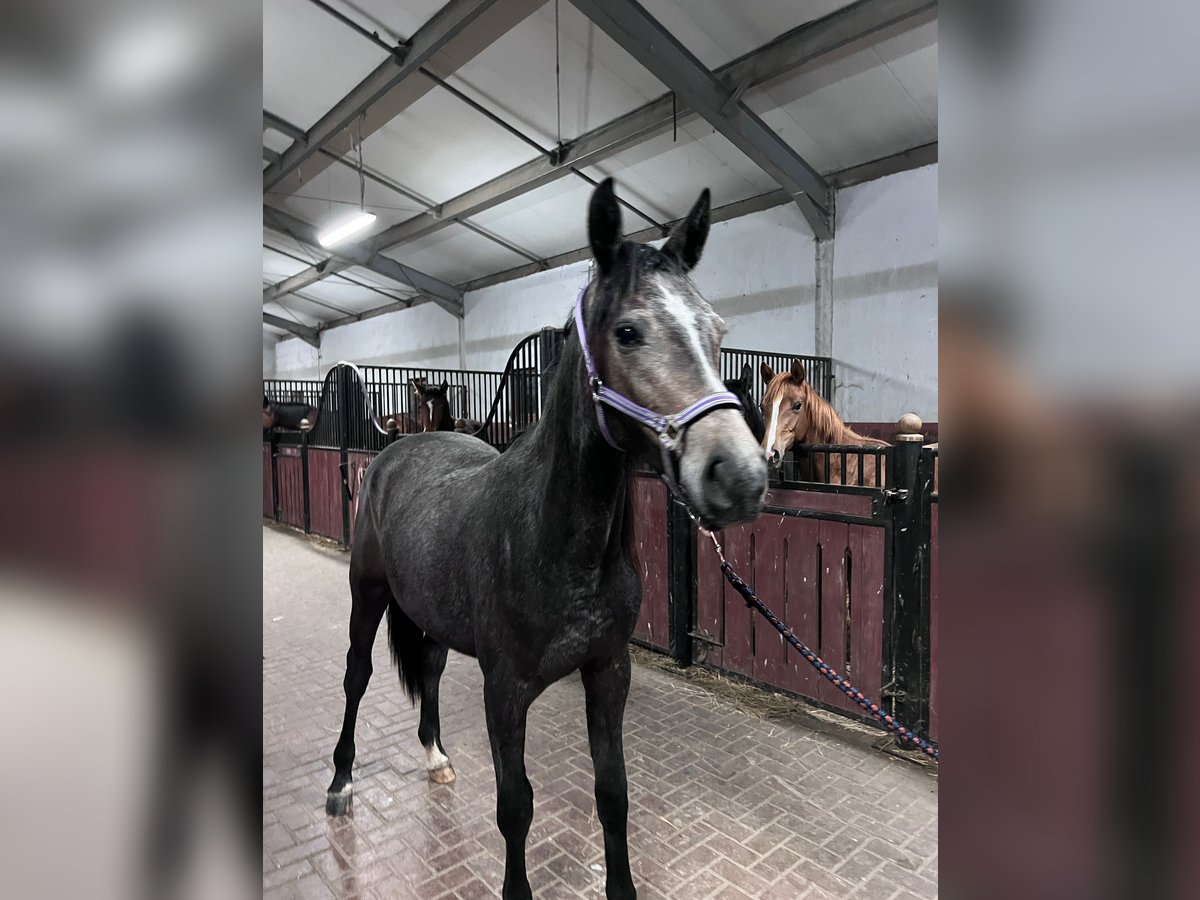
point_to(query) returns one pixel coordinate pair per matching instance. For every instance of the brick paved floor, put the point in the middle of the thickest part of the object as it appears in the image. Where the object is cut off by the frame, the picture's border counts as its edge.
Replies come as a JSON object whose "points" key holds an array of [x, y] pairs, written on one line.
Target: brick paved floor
{"points": [[723, 804]]}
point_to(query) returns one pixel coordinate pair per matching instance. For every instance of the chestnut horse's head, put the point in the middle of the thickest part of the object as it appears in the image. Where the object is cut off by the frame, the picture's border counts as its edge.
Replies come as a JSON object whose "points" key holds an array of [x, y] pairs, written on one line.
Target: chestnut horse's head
{"points": [[432, 406], [787, 407]]}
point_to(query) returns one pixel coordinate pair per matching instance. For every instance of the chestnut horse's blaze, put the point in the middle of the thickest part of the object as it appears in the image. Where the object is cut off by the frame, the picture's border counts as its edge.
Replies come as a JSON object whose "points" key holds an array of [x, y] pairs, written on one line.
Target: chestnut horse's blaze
{"points": [[796, 414]]}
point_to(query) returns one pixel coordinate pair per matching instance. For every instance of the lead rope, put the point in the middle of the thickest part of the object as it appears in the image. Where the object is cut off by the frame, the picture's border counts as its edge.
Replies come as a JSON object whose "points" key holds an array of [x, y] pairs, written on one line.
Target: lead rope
{"points": [[889, 722]]}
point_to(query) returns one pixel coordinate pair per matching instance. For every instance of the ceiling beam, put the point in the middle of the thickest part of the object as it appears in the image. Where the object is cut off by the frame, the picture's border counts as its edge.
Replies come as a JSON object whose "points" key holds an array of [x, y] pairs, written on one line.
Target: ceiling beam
{"points": [[440, 292], [913, 158], [458, 32], [304, 332], [809, 46], [645, 39]]}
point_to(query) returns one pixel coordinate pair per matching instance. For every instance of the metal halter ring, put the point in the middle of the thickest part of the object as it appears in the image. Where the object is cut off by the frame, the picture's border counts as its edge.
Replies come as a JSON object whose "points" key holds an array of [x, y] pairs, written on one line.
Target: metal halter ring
{"points": [[671, 433]]}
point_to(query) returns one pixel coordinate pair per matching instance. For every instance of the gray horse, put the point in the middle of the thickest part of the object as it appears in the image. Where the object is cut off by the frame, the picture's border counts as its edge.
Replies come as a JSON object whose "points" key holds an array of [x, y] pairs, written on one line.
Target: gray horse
{"points": [[524, 561]]}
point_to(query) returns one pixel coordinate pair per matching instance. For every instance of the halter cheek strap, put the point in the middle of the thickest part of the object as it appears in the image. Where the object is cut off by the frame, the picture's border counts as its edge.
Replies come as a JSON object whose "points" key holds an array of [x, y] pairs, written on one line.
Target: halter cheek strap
{"points": [[670, 429]]}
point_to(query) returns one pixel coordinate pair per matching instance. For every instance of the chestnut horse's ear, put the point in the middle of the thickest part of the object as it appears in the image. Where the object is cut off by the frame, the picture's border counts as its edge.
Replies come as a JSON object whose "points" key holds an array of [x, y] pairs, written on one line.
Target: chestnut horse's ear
{"points": [[766, 372], [747, 378], [686, 242], [798, 371], [604, 225]]}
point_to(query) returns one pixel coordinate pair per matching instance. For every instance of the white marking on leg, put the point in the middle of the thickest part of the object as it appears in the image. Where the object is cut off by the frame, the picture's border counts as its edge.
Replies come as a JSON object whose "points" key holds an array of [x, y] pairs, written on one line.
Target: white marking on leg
{"points": [[771, 432], [435, 759]]}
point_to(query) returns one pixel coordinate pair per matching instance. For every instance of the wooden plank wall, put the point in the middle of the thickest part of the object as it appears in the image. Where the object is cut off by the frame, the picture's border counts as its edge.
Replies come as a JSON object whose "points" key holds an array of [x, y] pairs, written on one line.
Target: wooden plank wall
{"points": [[325, 494], [268, 493], [290, 471], [650, 545], [824, 579], [933, 621], [356, 462]]}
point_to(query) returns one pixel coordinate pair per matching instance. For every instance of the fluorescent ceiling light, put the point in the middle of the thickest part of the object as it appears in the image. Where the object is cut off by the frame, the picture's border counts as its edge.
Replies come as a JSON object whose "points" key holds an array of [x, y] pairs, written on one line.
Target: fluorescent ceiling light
{"points": [[343, 231]]}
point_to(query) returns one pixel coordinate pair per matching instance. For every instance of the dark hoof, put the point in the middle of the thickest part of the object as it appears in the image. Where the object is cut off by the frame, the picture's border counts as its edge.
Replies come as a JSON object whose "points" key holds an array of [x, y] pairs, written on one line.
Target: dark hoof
{"points": [[338, 803]]}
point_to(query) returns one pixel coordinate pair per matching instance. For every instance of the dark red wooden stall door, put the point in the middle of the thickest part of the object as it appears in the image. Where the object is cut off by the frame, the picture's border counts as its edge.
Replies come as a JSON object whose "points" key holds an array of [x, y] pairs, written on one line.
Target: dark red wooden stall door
{"points": [[268, 493], [325, 493], [823, 578], [933, 621], [357, 462], [650, 546], [290, 472]]}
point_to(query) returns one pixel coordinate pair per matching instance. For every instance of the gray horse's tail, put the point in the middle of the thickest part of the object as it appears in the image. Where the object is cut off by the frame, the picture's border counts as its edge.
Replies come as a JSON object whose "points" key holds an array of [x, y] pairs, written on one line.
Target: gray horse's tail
{"points": [[405, 639]]}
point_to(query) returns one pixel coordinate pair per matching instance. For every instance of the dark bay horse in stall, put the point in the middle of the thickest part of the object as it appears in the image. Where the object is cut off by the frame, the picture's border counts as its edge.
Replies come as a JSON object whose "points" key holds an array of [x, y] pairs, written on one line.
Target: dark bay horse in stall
{"points": [[525, 560], [286, 416], [432, 406], [796, 415], [431, 410], [742, 388]]}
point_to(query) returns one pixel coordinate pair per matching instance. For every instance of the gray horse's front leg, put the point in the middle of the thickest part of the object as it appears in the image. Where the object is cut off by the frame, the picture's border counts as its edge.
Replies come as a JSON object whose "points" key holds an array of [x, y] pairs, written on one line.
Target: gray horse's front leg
{"points": [[606, 688], [506, 703]]}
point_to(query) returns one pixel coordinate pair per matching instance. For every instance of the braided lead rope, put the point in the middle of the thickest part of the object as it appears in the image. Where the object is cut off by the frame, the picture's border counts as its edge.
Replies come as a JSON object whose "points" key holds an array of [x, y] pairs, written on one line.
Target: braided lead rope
{"points": [[889, 722]]}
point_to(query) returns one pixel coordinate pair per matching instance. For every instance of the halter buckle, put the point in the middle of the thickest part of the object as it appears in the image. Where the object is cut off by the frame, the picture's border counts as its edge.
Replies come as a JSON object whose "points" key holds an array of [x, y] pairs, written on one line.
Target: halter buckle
{"points": [[596, 384], [671, 432]]}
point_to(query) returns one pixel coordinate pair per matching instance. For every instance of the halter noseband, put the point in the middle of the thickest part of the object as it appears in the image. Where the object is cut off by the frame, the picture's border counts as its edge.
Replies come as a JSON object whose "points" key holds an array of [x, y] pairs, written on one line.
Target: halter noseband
{"points": [[670, 429]]}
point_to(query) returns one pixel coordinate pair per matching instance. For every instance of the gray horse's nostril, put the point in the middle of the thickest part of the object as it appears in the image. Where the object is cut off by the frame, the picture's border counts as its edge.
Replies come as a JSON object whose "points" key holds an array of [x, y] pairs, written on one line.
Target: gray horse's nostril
{"points": [[713, 472]]}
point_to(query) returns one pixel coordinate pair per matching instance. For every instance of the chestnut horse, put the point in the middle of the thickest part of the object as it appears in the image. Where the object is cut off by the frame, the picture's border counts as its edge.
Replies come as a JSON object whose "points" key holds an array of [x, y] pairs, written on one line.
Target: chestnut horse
{"points": [[796, 415]]}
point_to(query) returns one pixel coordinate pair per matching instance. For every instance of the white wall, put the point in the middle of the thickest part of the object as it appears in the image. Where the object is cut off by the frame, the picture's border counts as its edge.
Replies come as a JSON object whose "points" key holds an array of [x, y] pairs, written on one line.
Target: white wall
{"points": [[425, 335], [269, 342], [296, 359], [497, 317], [885, 298], [759, 273]]}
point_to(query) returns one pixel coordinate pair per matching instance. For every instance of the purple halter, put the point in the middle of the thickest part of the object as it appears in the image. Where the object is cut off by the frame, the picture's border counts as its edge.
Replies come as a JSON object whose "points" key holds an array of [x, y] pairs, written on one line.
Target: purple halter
{"points": [[670, 429]]}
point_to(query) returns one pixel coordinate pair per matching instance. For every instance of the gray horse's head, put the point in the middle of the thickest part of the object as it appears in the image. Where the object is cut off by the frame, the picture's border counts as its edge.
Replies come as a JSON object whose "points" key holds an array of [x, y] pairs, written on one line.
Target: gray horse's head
{"points": [[657, 341]]}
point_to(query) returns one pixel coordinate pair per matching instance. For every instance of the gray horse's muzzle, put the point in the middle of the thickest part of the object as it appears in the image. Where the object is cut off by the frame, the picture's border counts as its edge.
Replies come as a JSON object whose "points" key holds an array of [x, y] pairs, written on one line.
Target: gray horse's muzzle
{"points": [[723, 471]]}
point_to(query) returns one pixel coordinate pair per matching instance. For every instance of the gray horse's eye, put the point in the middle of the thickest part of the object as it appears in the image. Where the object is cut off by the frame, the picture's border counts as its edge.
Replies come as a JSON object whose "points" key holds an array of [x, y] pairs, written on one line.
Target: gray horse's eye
{"points": [[627, 335]]}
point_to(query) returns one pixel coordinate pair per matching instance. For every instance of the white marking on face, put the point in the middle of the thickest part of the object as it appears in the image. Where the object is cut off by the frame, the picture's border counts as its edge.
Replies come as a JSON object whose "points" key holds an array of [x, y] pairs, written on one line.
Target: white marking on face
{"points": [[771, 432], [435, 759], [677, 308]]}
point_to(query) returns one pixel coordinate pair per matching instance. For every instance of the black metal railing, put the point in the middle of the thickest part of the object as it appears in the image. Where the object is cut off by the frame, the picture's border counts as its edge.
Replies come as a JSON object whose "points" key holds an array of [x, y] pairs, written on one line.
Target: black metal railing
{"points": [[292, 390], [837, 465], [818, 369]]}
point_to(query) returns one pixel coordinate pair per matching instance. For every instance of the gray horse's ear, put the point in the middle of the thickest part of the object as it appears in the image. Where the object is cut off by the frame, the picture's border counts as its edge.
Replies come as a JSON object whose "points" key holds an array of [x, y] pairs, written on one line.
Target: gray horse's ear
{"points": [[604, 225], [747, 378], [798, 371], [766, 372], [686, 242]]}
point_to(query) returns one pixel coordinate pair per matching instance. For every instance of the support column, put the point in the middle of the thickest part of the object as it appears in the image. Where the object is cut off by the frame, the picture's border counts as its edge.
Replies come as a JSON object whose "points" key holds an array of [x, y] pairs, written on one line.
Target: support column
{"points": [[462, 340], [824, 301]]}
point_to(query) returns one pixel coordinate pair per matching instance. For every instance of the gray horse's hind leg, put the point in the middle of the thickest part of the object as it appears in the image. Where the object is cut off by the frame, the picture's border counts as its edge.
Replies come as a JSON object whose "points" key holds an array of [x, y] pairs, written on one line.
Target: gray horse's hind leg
{"points": [[433, 663], [370, 600]]}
